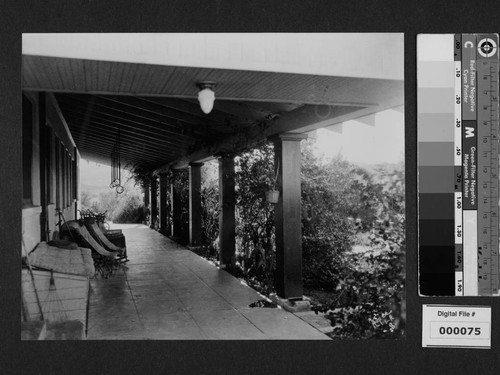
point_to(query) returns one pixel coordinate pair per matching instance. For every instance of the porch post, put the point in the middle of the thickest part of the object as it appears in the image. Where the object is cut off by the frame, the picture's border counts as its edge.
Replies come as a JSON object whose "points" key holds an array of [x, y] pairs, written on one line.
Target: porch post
{"points": [[288, 216], [175, 206], [154, 202], [146, 194], [227, 202], [195, 204], [163, 204]]}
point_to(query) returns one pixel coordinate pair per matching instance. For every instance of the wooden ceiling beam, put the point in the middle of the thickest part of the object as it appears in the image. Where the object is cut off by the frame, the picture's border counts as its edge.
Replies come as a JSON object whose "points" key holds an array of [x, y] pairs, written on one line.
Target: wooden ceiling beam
{"points": [[102, 148], [94, 107], [124, 125], [172, 142], [116, 107], [352, 102], [109, 146], [191, 106], [171, 114], [127, 148], [137, 146], [102, 125], [233, 107]]}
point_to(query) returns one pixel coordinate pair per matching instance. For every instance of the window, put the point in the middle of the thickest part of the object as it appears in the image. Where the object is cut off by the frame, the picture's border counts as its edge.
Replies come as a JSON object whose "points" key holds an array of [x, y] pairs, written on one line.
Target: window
{"points": [[49, 146], [63, 176], [57, 150], [27, 150], [68, 179]]}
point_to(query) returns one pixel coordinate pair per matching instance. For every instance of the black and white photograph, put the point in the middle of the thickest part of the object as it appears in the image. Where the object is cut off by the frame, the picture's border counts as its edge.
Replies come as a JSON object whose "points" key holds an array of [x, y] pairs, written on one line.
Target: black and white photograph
{"points": [[213, 186], [258, 187]]}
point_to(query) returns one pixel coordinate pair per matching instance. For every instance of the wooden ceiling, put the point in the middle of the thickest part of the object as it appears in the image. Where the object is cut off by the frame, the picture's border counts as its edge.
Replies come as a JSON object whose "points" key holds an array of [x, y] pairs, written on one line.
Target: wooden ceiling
{"points": [[153, 131], [155, 109]]}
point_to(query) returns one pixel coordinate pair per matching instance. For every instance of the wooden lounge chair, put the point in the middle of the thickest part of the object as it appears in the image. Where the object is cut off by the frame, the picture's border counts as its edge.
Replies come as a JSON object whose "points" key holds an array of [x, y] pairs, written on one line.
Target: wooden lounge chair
{"points": [[105, 240], [90, 241], [104, 261]]}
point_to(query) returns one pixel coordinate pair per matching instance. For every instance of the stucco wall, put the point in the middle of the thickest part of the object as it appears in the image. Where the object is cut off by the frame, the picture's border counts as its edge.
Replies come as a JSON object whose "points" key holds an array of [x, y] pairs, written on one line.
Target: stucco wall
{"points": [[31, 211]]}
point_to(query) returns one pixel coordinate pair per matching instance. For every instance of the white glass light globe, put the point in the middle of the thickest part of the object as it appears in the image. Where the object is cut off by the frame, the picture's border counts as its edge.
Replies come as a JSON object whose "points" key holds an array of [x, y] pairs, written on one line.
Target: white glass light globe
{"points": [[206, 98]]}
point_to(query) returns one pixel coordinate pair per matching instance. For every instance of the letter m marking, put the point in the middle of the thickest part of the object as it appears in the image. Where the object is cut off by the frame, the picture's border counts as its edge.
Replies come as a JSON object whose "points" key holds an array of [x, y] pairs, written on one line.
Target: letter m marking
{"points": [[469, 132]]}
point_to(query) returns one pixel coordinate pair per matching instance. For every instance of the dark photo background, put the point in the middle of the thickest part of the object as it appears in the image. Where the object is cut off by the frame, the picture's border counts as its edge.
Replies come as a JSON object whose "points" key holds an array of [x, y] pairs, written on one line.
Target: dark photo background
{"points": [[404, 356]]}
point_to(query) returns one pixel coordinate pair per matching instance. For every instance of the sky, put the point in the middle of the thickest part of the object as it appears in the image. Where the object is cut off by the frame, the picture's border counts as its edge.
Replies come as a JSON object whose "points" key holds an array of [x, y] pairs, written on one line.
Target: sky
{"points": [[371, 140], [92, 173]]}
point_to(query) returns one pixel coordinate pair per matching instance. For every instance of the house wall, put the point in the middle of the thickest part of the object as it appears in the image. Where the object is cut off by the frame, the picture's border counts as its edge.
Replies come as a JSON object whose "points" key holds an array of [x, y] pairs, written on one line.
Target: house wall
{"points": [[53, 174]]}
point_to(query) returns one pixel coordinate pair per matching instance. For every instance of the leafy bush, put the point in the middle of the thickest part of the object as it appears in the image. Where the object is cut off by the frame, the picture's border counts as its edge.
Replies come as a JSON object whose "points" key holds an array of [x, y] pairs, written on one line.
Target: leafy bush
{"points": [[255, 216], [371, 283], [210, 210], [130, 209], [326, 231], [181, 184]]}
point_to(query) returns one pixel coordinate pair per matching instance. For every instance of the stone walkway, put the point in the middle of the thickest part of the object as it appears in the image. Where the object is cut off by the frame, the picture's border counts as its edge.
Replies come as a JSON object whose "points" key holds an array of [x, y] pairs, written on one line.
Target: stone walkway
{"points": [[167, 292]]}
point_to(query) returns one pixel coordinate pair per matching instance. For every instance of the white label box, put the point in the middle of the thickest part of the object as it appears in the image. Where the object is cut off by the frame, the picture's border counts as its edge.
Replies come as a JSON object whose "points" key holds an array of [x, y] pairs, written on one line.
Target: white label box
{"points": [[455, 326]]}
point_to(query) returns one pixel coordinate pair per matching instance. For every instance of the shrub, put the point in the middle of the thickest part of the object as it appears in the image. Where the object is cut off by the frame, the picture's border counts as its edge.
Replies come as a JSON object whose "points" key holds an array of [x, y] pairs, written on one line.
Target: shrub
{"points": [[326, 231], [255, 217], [130, 209], [371, 284], [210, 209], [181, 184]]}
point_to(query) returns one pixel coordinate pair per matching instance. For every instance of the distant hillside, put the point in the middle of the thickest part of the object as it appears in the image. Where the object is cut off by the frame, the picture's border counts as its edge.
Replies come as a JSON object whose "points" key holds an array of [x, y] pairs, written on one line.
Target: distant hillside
{"points": [[94, 190], [373, 168]]}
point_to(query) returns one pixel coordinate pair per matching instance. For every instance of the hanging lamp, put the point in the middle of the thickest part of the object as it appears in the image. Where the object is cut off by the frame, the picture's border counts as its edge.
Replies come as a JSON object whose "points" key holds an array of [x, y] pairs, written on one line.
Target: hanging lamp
{"points": [[206, 95]]}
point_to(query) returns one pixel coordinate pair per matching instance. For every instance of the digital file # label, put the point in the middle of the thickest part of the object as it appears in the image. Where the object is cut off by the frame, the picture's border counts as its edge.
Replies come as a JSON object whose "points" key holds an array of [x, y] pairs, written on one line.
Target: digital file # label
{"points": [[456, 326]]}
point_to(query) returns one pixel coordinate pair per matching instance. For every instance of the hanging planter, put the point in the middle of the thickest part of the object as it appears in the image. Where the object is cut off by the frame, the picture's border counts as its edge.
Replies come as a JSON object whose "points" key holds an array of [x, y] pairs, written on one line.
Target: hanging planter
{"points": [[272, 195]]}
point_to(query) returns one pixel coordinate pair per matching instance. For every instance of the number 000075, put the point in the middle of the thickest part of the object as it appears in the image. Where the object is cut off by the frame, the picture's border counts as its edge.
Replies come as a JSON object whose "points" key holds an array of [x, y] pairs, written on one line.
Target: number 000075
{"points": [[463, 331]]}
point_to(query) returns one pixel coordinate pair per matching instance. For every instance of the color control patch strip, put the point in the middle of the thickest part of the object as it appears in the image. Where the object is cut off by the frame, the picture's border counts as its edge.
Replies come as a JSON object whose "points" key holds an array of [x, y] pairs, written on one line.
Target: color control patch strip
{"points": [[457, 80]]}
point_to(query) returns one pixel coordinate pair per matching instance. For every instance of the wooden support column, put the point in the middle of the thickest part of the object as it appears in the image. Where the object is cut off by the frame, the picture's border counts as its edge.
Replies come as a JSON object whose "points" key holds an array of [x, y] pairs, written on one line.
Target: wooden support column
{"points": [[175, 207], [146, 194], [288, 217], [227, 202], [154, 202], [195, 204], [164, 228]]}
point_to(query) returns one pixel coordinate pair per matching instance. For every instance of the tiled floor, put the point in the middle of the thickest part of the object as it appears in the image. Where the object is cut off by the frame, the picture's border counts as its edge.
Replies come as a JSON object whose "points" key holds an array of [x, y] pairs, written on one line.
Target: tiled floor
{"points": [[167, 292]]}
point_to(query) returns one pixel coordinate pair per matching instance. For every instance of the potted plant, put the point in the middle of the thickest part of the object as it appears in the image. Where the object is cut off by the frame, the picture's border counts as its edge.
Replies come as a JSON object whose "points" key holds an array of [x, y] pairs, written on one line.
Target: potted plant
{"points": [[273, 195]]}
